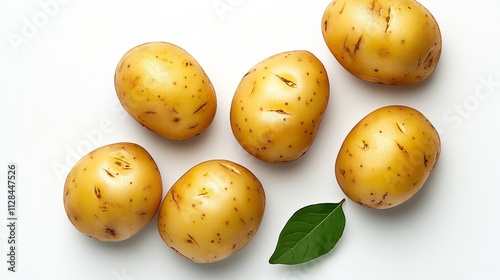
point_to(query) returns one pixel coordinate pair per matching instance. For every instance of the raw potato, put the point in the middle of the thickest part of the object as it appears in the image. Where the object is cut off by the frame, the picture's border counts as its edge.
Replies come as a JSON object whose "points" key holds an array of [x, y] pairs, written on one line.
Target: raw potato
{"points": [[113, 192], [387, 157], [212, 211], [278, 106], [395, 42], [165, 89]]}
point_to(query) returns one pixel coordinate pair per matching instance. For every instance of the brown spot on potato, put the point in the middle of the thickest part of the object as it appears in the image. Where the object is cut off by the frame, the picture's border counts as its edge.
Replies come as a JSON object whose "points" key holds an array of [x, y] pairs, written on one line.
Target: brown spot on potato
{"points": [[191, 240], [109, 173], [204, 192], [401, 127], [282, 112], [388, 19], [122, 163], [201, 108], [173, 194], [356, 46], [341, 10], [110, 231], [97, 192], [288, 82], [231, 168], [373, 4], [363, 145], [384, 52], [345, 46], [402, 148]]}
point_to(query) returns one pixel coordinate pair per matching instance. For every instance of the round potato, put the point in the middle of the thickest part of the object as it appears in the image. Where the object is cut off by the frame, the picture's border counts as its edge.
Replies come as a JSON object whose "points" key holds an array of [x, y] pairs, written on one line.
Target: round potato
{"points": [[166, 90], [278, 106], [396, 42], [212, 211], [387, 157], [113, 192]]}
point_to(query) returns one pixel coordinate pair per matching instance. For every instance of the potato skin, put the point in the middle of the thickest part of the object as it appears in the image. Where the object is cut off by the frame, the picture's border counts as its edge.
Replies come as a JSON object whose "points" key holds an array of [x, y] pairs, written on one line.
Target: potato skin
{"points": [[166, 90], [396, 42], [212, 211], [278, 106], [387, 157], [113, 192]]}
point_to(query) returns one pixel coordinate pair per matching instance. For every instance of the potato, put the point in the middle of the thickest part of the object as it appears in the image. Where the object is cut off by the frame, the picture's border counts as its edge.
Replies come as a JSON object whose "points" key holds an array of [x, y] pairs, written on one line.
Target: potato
{"points": [[166, 90], [113, 192], [387, 157], [212, 211], [278, 106], [396, 42]]}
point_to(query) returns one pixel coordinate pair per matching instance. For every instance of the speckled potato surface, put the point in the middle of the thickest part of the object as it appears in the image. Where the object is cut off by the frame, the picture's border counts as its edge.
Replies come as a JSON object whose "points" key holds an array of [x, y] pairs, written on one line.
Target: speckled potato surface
{"points": [[113, 192], [387, 157], [395, 42], [212, 211], [165, 89], [278, 106]]}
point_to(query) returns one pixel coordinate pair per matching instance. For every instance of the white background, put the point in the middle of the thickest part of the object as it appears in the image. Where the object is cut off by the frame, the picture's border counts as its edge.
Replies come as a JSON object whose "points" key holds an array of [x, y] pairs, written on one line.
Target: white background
{"points": [[57, 101]]}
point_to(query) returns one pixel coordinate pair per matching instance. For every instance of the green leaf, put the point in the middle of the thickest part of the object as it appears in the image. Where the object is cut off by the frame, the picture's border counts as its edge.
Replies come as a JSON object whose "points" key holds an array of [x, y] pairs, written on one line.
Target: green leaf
{"points": [[311, 232]]}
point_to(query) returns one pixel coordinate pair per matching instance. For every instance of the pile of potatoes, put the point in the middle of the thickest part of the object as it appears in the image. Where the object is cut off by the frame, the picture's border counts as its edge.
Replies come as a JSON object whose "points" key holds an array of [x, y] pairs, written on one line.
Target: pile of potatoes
{"points": [[216, 207]]}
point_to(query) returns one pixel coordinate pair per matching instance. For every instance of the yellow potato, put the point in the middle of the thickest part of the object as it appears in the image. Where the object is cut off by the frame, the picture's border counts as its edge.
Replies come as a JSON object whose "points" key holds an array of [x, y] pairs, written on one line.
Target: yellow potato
{"points": [[395, 42], [212, 211], [387, 157], [166, 90], [278, 106], [113, 192]]}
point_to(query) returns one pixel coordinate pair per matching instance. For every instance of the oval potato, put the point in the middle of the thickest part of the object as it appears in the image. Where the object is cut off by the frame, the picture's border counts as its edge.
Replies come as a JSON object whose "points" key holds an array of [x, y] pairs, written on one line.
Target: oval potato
{"points": [[278, 106], [396, 42], [387, 157], [113, 192], [166, 90], [212, 211]]}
